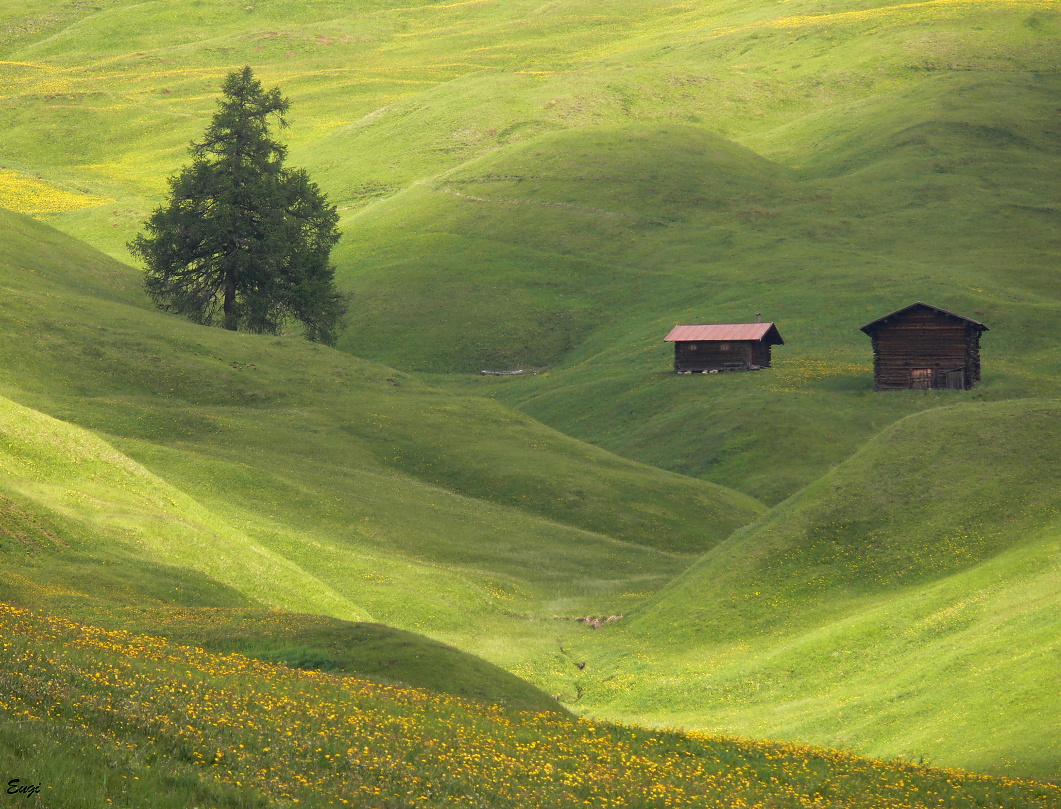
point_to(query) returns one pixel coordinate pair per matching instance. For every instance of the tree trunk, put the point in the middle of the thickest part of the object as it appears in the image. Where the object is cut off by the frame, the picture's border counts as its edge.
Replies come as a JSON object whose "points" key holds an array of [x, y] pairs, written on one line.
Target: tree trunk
{"points": [[229, 306]]}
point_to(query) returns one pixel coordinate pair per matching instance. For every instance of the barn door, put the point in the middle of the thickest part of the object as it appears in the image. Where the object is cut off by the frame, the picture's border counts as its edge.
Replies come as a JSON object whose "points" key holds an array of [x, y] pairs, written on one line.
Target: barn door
{"points": [[956, 379], [920, 378]]}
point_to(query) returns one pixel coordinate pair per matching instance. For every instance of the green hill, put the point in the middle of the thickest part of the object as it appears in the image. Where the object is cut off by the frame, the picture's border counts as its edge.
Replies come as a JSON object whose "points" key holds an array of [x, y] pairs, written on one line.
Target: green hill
{"points": [[122, 592], [553, 187], [934, 495], [121, 719], [270, 415], [301, 479], [540, 244], [904, 604], [579, 266]]}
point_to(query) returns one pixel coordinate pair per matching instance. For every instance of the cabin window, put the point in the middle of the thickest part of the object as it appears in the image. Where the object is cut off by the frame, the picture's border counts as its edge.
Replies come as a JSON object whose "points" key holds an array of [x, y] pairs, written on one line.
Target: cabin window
{"points": [[920, 378], [692, 346], [723, 346]]}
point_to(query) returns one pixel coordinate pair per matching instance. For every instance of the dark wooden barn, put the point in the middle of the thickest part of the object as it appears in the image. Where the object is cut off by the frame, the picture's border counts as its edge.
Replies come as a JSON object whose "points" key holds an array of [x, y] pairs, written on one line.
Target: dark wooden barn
{"points": [[925, 347], [723, 347]]}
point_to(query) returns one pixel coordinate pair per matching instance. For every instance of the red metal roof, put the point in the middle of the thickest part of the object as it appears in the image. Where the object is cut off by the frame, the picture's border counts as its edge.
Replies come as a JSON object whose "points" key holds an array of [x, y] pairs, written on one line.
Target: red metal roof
{"points": [[724, 332]]}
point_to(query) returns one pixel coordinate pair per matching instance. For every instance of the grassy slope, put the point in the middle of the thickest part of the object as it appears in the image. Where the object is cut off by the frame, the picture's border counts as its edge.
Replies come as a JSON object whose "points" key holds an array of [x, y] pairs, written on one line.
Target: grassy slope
{"points": [[114, 718], [888, 180], [903, 153], [89, 533], [123, 592], [591, 244], [277, 415], [568, 181], [307, 480], [905, 604], [935, 494]]}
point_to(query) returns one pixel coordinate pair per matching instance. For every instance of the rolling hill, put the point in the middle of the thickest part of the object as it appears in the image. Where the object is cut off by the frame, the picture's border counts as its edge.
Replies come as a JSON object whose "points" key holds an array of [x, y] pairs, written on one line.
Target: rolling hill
{"points": [[905, 603], [572, 180], [669, 223], [171, 726], [149, 466], [552, 186]]}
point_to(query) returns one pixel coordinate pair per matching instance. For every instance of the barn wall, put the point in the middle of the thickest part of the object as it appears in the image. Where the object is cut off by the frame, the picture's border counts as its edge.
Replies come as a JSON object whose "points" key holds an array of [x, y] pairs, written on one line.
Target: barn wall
{"points": [[924, 339], [712, 356], [972, 356], [761, 356]]}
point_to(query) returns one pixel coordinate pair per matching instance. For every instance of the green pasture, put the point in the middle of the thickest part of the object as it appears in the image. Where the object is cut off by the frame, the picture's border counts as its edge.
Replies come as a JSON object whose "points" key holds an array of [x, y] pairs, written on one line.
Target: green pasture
{"points": [[299, 478], [298, 426], [551, 187], [574, 254], [906, 604], [173, 726]]}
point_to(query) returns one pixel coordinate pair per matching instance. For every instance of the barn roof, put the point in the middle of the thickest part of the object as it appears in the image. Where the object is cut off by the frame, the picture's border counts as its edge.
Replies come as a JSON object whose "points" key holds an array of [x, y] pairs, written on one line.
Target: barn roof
{"points": [[725, 332], [880, 321]]}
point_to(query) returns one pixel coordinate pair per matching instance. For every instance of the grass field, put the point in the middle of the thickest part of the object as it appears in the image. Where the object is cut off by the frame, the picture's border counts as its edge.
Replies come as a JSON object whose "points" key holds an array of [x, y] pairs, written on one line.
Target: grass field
{"points": [[561, 200], [908, 608], [177, 726], [552, 187], [347, 479]]}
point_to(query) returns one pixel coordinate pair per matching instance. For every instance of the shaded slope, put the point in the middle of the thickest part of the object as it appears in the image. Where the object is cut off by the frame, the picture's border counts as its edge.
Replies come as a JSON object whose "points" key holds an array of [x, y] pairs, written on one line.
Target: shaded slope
{"points": [[906, 604], [935, 494], [125, 719], [121, 591], [311, 481], [89, 533], [69, 471], [515, 259]]}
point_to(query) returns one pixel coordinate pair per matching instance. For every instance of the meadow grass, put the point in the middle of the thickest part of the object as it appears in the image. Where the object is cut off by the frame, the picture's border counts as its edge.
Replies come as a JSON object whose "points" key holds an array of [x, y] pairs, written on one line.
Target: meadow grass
{"points": [[122, 592], [935, 494], [274, 432], [905, 605], [175, 724], [663, 225], [553, 187], [299, 478]]}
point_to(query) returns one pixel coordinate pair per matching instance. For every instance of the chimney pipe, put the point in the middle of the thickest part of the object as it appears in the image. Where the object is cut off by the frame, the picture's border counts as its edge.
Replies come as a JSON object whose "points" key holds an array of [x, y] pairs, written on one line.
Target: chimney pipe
{"points": [[758, 317]]}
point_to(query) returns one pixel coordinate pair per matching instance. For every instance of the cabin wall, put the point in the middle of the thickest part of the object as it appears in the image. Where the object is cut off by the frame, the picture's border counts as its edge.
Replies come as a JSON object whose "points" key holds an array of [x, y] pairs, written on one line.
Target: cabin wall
{"points": [[761, 356], [972, 356], [920, 348], [716, 356]]}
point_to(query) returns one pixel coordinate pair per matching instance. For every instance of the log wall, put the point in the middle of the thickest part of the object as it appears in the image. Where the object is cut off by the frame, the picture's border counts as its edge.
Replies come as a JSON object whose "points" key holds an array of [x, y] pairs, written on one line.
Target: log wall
{"points": [[720, 356], [762, 354], [925, 341]]}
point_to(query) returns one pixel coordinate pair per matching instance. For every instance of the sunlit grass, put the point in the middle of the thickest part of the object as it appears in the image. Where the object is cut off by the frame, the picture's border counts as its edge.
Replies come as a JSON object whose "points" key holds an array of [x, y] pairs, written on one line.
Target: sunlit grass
{"points": [[24, 194], [166, 714], [553, 187]]}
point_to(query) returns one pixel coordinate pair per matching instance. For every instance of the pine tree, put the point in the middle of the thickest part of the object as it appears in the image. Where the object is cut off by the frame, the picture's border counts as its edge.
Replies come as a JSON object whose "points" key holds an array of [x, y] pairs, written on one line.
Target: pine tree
{"points": [[244, 242]]}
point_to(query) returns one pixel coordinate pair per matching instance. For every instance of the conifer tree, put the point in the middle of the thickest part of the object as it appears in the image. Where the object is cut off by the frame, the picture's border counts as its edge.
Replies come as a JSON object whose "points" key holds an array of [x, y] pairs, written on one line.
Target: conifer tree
{"points": [[244, 242]]}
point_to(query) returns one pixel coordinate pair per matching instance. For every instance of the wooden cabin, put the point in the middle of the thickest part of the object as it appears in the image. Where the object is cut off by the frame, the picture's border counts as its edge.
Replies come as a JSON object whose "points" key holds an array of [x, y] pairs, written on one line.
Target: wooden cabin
{"points": [[925, 347], [723, 347]]}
